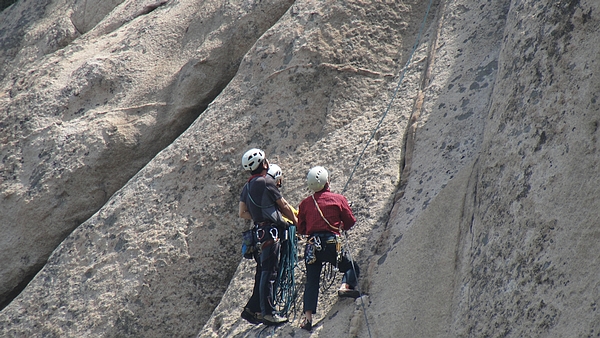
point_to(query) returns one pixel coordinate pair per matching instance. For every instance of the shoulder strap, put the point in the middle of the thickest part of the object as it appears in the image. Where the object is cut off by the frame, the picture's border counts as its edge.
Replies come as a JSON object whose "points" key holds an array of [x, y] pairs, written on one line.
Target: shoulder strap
{"points": [[321, 213], [252, 200]]}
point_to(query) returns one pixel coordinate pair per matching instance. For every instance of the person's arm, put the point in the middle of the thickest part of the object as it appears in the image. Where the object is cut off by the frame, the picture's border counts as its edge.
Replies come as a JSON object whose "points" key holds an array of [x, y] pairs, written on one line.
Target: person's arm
{"points": [[347, 216], [286, 210], [244, 213], [301, 226]]}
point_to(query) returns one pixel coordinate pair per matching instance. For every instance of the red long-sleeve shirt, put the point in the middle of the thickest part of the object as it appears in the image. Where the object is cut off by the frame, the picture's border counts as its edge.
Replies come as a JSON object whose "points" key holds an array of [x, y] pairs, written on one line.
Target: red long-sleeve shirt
{"points": [[335, 209]]}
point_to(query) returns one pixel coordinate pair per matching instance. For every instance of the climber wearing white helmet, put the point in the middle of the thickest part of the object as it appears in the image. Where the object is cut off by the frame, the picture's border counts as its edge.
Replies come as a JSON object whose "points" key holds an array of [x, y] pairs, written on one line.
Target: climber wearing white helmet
{"points": [[322, 216], [276, 173], [262, 202]]}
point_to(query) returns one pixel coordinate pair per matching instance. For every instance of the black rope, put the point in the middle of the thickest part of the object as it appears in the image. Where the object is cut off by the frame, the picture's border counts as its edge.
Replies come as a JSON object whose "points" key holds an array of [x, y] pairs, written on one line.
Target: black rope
{"points": [[265, 329], [328, 276]]}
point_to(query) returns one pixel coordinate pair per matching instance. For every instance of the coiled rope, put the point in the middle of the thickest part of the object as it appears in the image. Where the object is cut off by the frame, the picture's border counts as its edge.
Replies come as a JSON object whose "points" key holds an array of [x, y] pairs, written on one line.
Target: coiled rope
{"points": [[286, 291]]}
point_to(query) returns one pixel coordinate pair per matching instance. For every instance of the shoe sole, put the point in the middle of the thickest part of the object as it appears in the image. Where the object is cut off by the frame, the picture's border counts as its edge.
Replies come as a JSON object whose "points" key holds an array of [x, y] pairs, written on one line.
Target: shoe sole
{"points": [[267, 323], [250, 318], [307, 327], [349, 294], [270, 323]]}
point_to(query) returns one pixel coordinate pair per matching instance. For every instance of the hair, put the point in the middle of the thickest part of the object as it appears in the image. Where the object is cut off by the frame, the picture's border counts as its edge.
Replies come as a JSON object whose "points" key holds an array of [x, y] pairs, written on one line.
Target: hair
{"points": [[259, 169]]}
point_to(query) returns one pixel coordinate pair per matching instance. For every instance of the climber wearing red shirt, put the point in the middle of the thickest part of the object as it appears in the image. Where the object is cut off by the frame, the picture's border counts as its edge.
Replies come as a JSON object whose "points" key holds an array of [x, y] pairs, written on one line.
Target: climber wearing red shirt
{"points": [[335, 209], [322, 216]]}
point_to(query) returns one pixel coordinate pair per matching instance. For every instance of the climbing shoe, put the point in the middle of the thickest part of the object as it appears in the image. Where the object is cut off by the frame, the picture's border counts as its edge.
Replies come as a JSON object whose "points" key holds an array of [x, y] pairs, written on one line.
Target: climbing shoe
{"points": [[306, 325], [349, 293], [251, 317], [273, 319]]}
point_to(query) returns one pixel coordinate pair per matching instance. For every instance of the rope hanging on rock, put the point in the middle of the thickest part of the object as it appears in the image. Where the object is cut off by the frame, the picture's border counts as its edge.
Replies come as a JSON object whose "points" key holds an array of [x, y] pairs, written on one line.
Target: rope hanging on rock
{"points": [[414, 49], [403, 73]]}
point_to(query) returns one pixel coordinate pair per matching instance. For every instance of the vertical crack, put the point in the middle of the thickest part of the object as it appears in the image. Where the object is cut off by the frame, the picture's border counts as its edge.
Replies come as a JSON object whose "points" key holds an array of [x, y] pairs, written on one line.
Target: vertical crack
{"points": [[411, 130]]}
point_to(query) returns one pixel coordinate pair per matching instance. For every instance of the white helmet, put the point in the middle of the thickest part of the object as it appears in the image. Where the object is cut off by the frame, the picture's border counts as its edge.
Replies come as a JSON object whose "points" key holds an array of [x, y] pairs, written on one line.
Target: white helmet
{"points": [[274, 171], [252, 159], [317, 178]]}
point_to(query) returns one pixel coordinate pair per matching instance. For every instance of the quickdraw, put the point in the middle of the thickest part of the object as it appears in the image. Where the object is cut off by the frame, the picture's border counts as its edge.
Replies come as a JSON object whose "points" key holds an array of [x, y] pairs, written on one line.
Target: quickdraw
{"points": [[316, 241], [272, 231]]}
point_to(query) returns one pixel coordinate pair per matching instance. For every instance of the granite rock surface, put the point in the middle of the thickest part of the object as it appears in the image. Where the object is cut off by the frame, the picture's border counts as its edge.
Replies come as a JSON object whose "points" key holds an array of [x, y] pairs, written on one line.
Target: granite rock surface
{"points": [[464, 133]]}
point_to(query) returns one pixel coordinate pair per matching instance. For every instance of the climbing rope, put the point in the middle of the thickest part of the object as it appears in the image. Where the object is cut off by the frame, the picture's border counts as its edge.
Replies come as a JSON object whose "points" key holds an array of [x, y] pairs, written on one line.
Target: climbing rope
{"points": [[328, 277], [414, 49], [286, 291], [269, 331], [403, 73]]}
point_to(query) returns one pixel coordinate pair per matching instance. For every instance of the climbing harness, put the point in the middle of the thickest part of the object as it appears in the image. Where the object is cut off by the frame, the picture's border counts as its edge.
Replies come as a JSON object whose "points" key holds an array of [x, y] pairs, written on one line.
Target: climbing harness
{"points": [[337, 241], [313, 244]]}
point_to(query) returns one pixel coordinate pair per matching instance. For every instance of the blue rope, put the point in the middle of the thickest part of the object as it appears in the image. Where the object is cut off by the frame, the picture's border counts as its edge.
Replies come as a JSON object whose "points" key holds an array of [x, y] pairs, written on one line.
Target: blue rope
{"points": [[286, 291]]}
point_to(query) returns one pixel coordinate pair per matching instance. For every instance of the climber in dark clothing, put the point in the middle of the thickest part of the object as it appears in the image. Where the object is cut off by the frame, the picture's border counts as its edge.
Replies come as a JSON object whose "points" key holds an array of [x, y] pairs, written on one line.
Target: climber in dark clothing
{"points": [[262, 202], [322, 216]]}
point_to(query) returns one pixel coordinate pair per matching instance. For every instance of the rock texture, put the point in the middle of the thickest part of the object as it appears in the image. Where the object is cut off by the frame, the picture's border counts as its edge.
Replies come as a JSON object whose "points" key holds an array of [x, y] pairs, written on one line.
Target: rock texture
{"points": [[475, 193], [83, 113], [503, 248]]}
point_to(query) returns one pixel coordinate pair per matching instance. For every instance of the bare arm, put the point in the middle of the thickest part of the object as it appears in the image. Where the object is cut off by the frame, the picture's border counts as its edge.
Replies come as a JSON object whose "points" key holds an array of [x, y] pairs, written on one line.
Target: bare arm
{"points": [[244, 213], [285, 209]]}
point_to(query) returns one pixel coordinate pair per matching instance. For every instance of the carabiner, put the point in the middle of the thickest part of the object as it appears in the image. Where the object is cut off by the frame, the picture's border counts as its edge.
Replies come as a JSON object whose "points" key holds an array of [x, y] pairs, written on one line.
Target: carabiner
{"points": [[276, 235], [317, 243]]}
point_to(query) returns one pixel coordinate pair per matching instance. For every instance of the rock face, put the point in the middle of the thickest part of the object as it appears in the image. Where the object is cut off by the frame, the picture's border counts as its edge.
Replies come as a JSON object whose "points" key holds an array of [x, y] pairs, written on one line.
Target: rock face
{"points": [[470, 160], [502, 247], [83, 113]]}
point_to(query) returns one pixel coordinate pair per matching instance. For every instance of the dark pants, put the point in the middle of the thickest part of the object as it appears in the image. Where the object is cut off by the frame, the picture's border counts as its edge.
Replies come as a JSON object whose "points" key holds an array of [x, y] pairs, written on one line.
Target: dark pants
{"points": [[328, 253], [269, 261], [267, 268], [253, 304]]}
